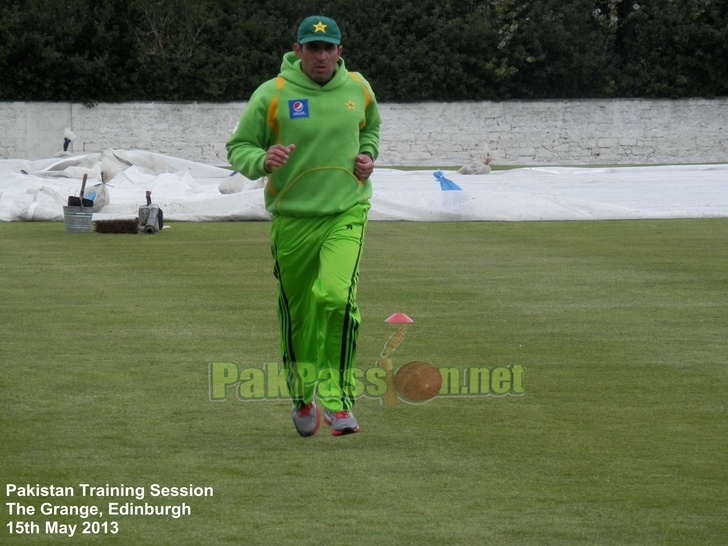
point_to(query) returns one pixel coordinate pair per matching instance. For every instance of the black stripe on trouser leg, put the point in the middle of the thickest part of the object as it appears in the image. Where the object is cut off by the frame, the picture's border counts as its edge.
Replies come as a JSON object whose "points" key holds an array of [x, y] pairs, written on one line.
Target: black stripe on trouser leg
{"points": [[349, 333], [289, 357]]}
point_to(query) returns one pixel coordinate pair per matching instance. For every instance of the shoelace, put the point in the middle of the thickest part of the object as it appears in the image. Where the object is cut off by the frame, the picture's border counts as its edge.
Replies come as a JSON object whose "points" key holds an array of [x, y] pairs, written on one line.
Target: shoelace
{"points": [[341, 414], [305, 411]]}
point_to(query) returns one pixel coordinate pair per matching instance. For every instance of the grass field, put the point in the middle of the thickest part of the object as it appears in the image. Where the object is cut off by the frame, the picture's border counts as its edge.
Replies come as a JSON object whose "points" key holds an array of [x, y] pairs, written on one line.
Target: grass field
{"points": [[620, 437]]}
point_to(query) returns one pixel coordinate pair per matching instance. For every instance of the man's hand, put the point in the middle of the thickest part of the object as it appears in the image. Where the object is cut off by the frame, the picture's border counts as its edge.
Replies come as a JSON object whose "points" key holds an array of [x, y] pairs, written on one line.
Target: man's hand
{"points": [[277, 156], [363, 167]]}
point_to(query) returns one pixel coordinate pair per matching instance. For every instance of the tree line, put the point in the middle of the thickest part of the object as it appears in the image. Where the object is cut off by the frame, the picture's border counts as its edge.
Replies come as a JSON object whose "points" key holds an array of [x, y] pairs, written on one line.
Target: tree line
{"points": [[427, 50]]}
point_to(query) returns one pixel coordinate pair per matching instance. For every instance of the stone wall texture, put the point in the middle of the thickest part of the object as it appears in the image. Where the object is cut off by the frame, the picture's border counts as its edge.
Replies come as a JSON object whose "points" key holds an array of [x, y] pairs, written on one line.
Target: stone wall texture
{"points": [[552, 132]]}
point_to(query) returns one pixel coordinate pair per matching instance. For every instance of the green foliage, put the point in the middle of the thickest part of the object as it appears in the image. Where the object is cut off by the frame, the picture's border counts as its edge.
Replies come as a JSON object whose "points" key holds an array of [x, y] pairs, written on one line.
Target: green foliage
{"points": [[70, 50], [221, 50], [677, 48], [553, 49]]}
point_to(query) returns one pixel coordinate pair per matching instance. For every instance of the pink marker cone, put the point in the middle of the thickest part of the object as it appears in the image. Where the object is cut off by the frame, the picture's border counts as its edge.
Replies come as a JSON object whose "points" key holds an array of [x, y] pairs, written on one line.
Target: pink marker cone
{"points": [[399, 318]]}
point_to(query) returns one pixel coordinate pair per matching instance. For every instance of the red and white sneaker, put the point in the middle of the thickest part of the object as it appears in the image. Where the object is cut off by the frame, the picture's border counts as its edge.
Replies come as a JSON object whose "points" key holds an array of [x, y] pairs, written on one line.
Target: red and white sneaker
{"points": [[342, 422], [307, 419]]}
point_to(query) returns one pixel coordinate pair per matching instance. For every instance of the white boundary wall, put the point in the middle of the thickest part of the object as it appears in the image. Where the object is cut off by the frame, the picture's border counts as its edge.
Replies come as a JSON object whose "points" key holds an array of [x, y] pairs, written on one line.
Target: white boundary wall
{"points": [[589, 131]]}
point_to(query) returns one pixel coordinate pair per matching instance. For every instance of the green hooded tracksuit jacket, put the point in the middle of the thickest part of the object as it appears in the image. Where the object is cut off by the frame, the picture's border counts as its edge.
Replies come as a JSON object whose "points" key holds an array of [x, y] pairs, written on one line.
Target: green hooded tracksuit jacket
{"points": [[319, 211]]}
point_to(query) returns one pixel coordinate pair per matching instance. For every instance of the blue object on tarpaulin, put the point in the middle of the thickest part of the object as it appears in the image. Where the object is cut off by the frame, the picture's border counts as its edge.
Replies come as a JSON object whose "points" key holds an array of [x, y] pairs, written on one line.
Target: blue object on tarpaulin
{"points": [[445, 184]]}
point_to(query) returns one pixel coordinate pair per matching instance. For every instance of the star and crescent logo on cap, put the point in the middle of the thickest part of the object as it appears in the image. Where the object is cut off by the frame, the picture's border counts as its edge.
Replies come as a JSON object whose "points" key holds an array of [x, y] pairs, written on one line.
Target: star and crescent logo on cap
{"points": [[320, 27]]}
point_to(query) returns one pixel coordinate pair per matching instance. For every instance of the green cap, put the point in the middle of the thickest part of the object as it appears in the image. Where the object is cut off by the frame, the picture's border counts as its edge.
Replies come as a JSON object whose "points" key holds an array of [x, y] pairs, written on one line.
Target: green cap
{"points": [[319, 29]]}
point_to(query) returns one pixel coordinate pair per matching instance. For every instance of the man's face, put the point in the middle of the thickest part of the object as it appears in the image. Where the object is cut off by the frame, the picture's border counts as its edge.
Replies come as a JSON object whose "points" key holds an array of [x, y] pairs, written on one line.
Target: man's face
{"points": [[318, 60]]}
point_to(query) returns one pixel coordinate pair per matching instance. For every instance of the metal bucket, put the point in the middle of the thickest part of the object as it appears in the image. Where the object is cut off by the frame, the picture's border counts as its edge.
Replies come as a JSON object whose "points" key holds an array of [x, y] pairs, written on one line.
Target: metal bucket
{"points": [[77, 219]]}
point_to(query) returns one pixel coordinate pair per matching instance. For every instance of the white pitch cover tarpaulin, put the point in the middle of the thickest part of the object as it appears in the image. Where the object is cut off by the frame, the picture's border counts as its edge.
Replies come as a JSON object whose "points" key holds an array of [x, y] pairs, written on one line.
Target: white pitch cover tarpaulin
{"points": [[196, 192]]}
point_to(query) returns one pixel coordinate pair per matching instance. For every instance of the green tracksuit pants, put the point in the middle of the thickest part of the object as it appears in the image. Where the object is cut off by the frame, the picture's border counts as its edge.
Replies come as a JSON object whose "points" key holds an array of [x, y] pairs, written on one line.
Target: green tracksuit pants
{"points": [[316, 262]]}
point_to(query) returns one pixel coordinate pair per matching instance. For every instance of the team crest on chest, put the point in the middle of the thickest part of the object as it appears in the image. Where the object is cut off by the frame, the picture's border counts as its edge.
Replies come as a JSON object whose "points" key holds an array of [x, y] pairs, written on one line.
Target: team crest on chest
{"points": [[298, 108]]}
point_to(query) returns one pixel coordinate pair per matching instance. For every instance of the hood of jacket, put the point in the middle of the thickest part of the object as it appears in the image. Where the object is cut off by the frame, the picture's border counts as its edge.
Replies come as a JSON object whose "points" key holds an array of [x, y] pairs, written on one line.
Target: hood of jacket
{"points": [[291, 72]]}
